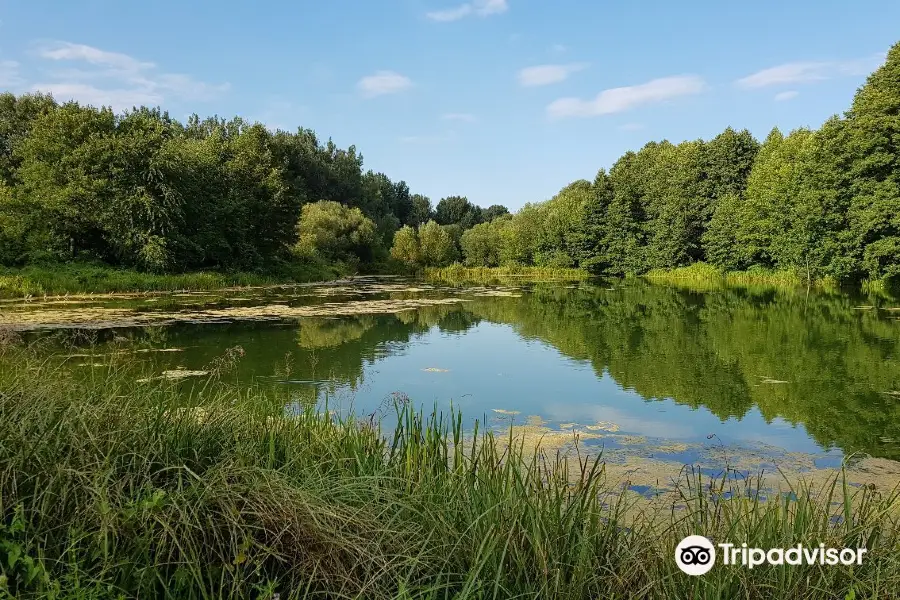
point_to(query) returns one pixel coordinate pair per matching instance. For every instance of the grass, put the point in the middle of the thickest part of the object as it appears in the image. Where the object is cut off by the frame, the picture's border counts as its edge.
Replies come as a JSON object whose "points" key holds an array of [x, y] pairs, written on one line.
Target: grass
{"points": [[113, 489], [457, 273], [80, 278], [700, 274]]}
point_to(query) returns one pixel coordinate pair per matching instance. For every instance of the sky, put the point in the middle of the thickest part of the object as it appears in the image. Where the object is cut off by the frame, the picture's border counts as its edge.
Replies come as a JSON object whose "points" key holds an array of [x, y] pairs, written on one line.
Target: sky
{"points": [[502, 101]]}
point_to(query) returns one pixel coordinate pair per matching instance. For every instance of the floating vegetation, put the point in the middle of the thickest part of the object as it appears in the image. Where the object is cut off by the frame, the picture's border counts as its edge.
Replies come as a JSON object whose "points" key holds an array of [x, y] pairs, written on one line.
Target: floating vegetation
{"points": [[769, 381], [108, 317], [603, 426], [502, 411], [175, 374], [436, 370]]}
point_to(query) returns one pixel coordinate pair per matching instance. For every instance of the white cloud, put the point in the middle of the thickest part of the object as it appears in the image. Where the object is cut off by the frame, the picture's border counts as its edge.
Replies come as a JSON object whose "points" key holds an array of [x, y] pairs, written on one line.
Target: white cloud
{"points": [[116, 79], [480, 8], [547, 74], [463, 117], [788, 95], [625, 98], [810, 71], [95, 56], [383, 82]]}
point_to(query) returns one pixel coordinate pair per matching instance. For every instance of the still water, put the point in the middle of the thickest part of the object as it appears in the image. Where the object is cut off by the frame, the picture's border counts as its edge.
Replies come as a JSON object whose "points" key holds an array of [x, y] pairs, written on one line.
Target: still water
{"points": [[791, 371]]}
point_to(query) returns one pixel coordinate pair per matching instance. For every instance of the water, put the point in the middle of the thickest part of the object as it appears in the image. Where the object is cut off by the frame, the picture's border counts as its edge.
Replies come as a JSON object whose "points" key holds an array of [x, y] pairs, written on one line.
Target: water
{"points": [[781, 372]]}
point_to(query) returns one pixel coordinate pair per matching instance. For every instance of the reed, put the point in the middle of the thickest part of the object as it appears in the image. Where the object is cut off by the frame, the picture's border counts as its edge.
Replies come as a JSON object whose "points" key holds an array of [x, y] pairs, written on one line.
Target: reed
{"points": [[83, 278]]}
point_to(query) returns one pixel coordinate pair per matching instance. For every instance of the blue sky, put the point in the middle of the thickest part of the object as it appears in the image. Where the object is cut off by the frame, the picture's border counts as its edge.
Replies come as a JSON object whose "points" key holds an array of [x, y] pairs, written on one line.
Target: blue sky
{"points": [[504, 101]]}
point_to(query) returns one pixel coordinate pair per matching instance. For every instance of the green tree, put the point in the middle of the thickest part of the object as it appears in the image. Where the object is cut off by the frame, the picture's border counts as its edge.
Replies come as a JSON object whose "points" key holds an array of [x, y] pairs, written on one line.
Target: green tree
{"points": [[870, 153], [720, 240], [493, 211], [332, 231], [626, 235], [421, 211], [520, 236], [588, 240], [406, 246], [457, 210], [435, 245], [482, 244]]}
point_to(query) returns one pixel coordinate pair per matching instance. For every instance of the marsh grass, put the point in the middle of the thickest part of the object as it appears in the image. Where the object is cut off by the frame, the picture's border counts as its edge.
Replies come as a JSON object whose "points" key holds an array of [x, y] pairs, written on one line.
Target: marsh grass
{"points": [[457, 273], [86, 278], [703, 276], [206, 489]]}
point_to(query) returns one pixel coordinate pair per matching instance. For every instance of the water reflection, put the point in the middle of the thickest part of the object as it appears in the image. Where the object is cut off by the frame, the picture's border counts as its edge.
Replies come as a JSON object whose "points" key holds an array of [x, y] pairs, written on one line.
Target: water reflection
{"points": [[793, 370]]}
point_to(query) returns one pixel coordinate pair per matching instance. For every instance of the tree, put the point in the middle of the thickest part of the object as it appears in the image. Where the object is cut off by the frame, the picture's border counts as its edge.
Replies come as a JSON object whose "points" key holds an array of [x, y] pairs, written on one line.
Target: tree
{"points": [[481, 245], [726, 162], [406, 246], [420, 212], [588, 240], [561, 216], [493, 211], [457, 210], [435, 245], [520, 236], [626, 235], [17, 114], [870, 155], [676, 218], [720, 240], [335, 232]]}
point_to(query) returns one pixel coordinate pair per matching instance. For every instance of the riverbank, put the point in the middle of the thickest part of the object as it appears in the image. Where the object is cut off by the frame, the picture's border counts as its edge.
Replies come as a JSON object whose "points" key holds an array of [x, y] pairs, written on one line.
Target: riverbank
{"points": [[90, 278], [119, 484]]}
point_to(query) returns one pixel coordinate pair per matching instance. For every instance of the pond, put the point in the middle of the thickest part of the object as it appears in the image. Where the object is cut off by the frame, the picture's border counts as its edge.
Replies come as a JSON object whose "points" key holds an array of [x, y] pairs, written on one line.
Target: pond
{"points": [[669, 373]]}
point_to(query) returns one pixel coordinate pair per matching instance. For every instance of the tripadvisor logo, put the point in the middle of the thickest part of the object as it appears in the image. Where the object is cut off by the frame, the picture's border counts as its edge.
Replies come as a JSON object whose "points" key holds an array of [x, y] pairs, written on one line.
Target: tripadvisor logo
{"points": [[696, 555]]}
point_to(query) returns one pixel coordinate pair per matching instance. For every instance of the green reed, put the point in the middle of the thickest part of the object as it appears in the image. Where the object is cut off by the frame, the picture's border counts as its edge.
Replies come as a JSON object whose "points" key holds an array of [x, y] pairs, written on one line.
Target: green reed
{"points": [[89, 278]]}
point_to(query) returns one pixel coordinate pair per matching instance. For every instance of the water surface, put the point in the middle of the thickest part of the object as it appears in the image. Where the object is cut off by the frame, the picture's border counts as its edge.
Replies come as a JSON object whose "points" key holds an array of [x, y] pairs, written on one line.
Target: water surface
{"points": [[778, 371]]}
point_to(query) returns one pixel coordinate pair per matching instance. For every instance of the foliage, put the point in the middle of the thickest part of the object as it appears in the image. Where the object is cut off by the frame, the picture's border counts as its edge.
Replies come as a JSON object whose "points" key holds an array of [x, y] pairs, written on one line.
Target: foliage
{"points": [[421, 211], [821, 204], [140, 190], [481, 244], [457, 210], [436, 245], [335, 232], [406, 246]]}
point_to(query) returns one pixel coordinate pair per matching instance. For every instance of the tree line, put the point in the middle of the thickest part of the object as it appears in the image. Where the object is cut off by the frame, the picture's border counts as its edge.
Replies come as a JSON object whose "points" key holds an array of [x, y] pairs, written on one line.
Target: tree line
{"points": [[140, 189], [822, 203]]}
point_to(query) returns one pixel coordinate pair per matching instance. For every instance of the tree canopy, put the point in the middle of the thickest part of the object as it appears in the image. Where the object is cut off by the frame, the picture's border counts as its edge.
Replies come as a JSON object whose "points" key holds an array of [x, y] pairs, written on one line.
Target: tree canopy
{"points": [[821, 203], [140, 189]]}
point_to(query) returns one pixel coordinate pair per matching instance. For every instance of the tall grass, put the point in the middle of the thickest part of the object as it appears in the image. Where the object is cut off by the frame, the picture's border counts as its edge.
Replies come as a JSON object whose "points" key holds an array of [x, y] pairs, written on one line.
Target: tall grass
{"points": [[457, 273], [703, 275], [111, 489], [79, 278]]}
